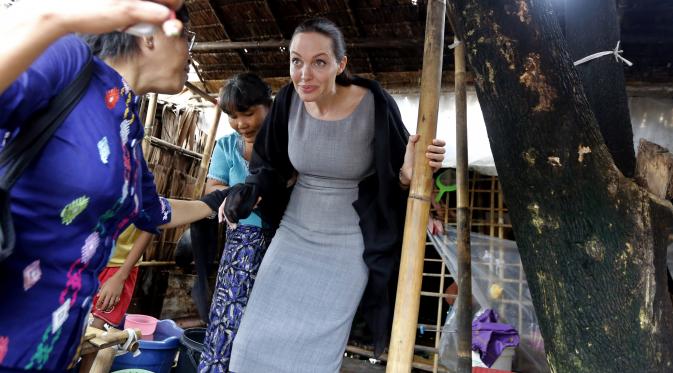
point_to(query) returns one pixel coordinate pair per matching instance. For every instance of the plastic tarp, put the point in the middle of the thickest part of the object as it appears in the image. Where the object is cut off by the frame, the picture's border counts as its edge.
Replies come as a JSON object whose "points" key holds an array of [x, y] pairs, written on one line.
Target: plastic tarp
{"points": [[651, 118], [479, 149], [498, 283]]}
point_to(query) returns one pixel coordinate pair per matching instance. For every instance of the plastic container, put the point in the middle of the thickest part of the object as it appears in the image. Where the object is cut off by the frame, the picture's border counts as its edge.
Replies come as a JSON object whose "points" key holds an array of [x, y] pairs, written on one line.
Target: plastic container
{"points": [[191, 347], [156, 355], [146, 324], [503, 362]]}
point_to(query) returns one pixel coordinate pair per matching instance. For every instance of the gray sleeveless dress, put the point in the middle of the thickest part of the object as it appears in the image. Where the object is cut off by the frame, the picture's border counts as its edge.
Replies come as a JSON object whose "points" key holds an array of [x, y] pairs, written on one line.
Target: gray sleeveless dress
{"points": [[312, 277]]}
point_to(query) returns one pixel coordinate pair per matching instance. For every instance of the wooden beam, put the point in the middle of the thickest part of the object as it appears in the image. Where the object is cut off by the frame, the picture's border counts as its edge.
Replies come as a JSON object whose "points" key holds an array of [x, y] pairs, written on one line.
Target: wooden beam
{"points": [[640, 89], [167, 145], [356, 43]]}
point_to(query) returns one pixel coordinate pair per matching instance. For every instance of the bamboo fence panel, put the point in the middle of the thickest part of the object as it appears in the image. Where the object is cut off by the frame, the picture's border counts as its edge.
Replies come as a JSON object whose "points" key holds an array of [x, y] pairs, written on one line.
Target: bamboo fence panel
{"points": [[175, 171]]}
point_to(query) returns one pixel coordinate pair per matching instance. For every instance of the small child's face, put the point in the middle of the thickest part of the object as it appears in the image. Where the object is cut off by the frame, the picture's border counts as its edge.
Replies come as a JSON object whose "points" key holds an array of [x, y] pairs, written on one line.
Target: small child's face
{"points": [[247, 123]]}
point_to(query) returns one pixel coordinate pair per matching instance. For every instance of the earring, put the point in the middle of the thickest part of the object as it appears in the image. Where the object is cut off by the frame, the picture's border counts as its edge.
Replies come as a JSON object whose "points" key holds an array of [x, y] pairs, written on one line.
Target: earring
{"points": [[149, 42]]}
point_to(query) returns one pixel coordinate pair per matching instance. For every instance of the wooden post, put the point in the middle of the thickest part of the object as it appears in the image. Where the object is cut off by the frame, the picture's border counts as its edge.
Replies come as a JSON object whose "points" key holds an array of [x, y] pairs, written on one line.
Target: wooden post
{"points": [[207, 153], [149, 118], [464, 301], [400, 355]]}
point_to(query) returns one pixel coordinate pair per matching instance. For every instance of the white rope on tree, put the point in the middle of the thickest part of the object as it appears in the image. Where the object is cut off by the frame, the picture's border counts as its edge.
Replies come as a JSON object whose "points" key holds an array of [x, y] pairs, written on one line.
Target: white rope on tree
{"points": [[616, 52]]}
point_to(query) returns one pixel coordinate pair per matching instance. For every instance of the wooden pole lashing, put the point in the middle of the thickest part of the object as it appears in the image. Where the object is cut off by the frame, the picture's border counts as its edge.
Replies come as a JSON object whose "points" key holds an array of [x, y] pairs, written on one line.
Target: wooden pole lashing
{"points": [[400, 355]]}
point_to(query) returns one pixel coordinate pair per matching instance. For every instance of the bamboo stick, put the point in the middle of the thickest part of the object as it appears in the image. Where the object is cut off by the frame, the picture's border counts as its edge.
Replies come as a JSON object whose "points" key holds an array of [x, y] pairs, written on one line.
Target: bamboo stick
{"points": [[464, 301], [207, 153], [167, 145], [418, 205], [201, 93], [149, 119]]}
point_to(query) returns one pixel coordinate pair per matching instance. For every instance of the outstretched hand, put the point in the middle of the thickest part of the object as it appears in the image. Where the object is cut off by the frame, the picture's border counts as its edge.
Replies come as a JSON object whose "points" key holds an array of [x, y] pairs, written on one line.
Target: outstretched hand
{"points": [[434, 154], [101, 16]]}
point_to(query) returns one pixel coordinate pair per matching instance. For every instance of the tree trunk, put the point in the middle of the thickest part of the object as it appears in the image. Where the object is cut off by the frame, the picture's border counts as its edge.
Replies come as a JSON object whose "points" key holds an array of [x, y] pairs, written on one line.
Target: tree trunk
{"points": [[592, 242], [592, 26]]}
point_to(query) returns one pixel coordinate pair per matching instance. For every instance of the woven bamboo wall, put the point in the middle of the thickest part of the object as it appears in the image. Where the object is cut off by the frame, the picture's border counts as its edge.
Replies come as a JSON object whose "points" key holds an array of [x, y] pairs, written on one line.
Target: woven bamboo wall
{"points": [[175, 168]]}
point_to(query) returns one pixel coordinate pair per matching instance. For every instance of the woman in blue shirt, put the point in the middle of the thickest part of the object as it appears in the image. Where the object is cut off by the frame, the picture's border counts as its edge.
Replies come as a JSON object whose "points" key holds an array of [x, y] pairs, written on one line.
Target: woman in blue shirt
{"points": [[90, 181], [246, 100]]}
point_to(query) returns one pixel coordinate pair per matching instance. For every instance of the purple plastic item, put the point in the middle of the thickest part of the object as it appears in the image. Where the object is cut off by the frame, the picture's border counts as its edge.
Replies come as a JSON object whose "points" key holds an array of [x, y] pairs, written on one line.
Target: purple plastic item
{"points": [[490, 337]]}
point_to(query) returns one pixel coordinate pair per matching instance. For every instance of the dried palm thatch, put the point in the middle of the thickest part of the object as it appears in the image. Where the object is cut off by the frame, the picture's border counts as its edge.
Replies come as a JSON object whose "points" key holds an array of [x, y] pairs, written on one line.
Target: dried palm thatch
{"points": [[383, 36], [174, 159]]}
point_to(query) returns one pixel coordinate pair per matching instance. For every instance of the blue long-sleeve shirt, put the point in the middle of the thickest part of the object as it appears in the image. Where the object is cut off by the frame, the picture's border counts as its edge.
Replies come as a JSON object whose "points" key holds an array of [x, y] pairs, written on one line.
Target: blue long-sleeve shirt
{"points": [[88, 184]]}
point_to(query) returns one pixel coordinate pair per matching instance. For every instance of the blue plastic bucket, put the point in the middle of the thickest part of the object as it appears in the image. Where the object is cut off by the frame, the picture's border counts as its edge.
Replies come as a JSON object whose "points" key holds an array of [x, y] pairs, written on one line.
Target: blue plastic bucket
{"points": [[156, 356]]}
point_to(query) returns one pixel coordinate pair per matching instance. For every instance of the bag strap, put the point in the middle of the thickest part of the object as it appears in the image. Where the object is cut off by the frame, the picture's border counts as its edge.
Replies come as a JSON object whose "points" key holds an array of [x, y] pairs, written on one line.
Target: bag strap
{"points": [[31, 138]]}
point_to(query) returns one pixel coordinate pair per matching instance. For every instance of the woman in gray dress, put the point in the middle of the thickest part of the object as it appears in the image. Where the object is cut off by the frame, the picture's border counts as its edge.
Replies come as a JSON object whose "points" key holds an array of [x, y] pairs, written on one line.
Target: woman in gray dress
{"points": [[339, 226]]}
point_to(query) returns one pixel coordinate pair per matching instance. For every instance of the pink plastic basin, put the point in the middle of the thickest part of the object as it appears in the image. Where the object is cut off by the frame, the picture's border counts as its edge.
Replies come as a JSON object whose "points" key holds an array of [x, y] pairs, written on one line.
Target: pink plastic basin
{"points": [[145, 323]]}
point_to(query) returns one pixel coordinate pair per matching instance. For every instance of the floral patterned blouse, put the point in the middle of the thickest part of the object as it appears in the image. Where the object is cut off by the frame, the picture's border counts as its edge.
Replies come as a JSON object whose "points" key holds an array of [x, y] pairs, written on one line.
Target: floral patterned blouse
{"points": [[90, 182]]}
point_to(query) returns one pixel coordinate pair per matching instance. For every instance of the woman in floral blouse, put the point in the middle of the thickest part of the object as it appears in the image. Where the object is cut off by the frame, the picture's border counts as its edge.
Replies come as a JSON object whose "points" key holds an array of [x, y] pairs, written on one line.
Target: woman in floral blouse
{"points": [[90, 181]]}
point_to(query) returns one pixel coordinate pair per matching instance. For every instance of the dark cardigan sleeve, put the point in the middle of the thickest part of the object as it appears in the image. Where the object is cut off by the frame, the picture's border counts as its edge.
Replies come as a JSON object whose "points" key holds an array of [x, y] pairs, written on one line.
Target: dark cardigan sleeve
{"points": [[270, 166]]}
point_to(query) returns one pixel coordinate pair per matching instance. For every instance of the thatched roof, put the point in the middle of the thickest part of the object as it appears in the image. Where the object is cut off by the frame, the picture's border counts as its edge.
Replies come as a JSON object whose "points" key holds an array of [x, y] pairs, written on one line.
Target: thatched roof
{"points": [[385, 37]]}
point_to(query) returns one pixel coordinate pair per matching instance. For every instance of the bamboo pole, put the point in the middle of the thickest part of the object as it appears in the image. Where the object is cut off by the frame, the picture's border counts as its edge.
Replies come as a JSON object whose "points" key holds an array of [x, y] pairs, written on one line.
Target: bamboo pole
{"points": [[201, 93], [167, 145], [149, 118], [400, 355], [464, 300], [207, 153]]}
